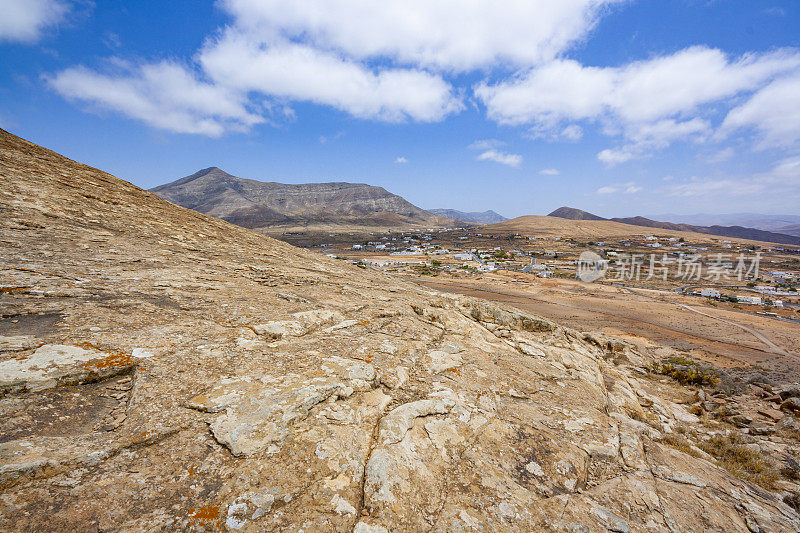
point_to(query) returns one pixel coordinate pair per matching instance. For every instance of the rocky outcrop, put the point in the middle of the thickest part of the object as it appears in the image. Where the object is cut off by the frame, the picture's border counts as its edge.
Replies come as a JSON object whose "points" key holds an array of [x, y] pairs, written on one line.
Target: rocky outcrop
{"points": [[360, 403]]}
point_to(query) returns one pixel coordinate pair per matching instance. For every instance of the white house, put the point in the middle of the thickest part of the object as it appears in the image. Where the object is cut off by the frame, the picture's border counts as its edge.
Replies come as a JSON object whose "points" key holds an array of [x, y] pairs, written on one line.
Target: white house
{"points": [[709, 293], [754, 300]]}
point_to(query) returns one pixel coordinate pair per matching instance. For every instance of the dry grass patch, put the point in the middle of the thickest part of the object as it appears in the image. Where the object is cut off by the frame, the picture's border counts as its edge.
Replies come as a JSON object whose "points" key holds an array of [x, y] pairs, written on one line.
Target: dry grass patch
{"points": [[741, 461], [686, 372]]}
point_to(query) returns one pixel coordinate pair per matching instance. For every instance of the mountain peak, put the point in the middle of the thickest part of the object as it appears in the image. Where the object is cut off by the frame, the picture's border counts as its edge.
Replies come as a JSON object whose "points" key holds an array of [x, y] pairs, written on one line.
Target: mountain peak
{"points": [[574, 214], [257, 204]]}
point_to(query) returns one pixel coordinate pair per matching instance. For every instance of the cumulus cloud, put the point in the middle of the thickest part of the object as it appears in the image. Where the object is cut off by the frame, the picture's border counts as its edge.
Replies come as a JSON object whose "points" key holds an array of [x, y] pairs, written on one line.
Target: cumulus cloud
{"points": [[639, 92], [645, 101], [447, 35], [774, 112], [25, 20], [301, 73], [401, 160], [511, 160], [615, 157], [164, 95], [647, 137], [549, 172]]}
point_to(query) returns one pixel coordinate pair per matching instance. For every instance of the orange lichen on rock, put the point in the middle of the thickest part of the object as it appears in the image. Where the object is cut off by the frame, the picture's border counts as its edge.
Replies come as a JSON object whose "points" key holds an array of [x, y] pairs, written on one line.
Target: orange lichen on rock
{"points": [[113, 359], [204, 513]]}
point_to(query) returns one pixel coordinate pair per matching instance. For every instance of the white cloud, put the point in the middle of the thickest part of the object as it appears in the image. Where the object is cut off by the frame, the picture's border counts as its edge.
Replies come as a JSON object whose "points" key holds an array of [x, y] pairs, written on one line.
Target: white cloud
{"points": [[25, 20], [163, 95], [511, 160], [647, 137], [486, 144], [663, 132], [620, 188], [301, 73], [646, 102], [615, 157], [573, 132], [549, 172], [450, 35], [774, 112], [401, 160]]}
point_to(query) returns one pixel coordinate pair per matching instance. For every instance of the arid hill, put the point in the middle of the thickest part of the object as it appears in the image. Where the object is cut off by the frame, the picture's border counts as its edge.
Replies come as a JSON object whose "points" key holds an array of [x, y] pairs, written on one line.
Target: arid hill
{"points": [[548, 226], [570, 213], [259, 205], [161, 369], [737, 232]]}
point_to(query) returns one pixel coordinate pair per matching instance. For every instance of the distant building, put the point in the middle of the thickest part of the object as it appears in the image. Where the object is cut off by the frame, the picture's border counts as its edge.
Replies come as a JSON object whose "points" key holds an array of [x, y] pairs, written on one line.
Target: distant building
{"points": [[710, 293], [753, 300]]}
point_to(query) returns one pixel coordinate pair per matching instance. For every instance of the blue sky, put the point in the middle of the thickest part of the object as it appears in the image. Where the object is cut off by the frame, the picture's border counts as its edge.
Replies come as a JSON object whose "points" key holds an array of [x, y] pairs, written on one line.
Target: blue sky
{"points": [[619, 107]]}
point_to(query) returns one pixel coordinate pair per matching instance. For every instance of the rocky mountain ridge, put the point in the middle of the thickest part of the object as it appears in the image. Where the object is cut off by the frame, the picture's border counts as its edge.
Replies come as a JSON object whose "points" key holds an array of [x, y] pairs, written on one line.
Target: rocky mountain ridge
{"points": [[257, 205], [163, 369]]}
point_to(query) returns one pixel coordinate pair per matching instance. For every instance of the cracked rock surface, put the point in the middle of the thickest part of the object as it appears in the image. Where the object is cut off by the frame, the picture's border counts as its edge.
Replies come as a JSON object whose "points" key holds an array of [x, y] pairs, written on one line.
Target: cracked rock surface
{"points": [[154, 375]]}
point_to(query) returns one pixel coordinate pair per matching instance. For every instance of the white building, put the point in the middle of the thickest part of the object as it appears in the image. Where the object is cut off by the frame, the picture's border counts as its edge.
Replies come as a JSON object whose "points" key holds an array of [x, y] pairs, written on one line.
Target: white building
{"points": [[709, 293], [754, 300]]}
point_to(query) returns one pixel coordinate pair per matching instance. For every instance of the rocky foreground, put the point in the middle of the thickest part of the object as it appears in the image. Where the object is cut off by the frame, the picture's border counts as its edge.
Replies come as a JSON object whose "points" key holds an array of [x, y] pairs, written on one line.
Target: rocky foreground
{"points": [[161, 369]]}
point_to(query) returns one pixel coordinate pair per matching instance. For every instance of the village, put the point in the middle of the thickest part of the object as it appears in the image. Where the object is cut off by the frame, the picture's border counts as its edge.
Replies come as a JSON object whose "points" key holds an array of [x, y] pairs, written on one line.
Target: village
{"points": [[738, 275]]}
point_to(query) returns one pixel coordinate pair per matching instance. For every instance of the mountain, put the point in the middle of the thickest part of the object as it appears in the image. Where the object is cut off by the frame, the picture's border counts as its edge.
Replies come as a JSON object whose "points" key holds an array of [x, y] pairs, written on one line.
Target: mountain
{"points": [[584, 230], [571, 213], [776, 223], [485, 217], [257, 205], [737, 232], [793, 229], [163, 369]]}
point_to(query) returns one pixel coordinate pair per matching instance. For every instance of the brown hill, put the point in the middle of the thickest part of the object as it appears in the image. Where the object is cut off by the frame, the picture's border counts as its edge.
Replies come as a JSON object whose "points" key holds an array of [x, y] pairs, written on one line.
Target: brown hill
{"points": [[161, 369], [736, 232], [261, 205], [548, 226], [570, 213]]}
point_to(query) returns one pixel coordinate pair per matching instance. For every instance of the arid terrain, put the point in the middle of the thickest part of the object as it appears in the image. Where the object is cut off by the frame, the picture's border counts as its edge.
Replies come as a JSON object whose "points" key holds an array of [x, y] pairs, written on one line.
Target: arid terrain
{"points": [[164, 370]]}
